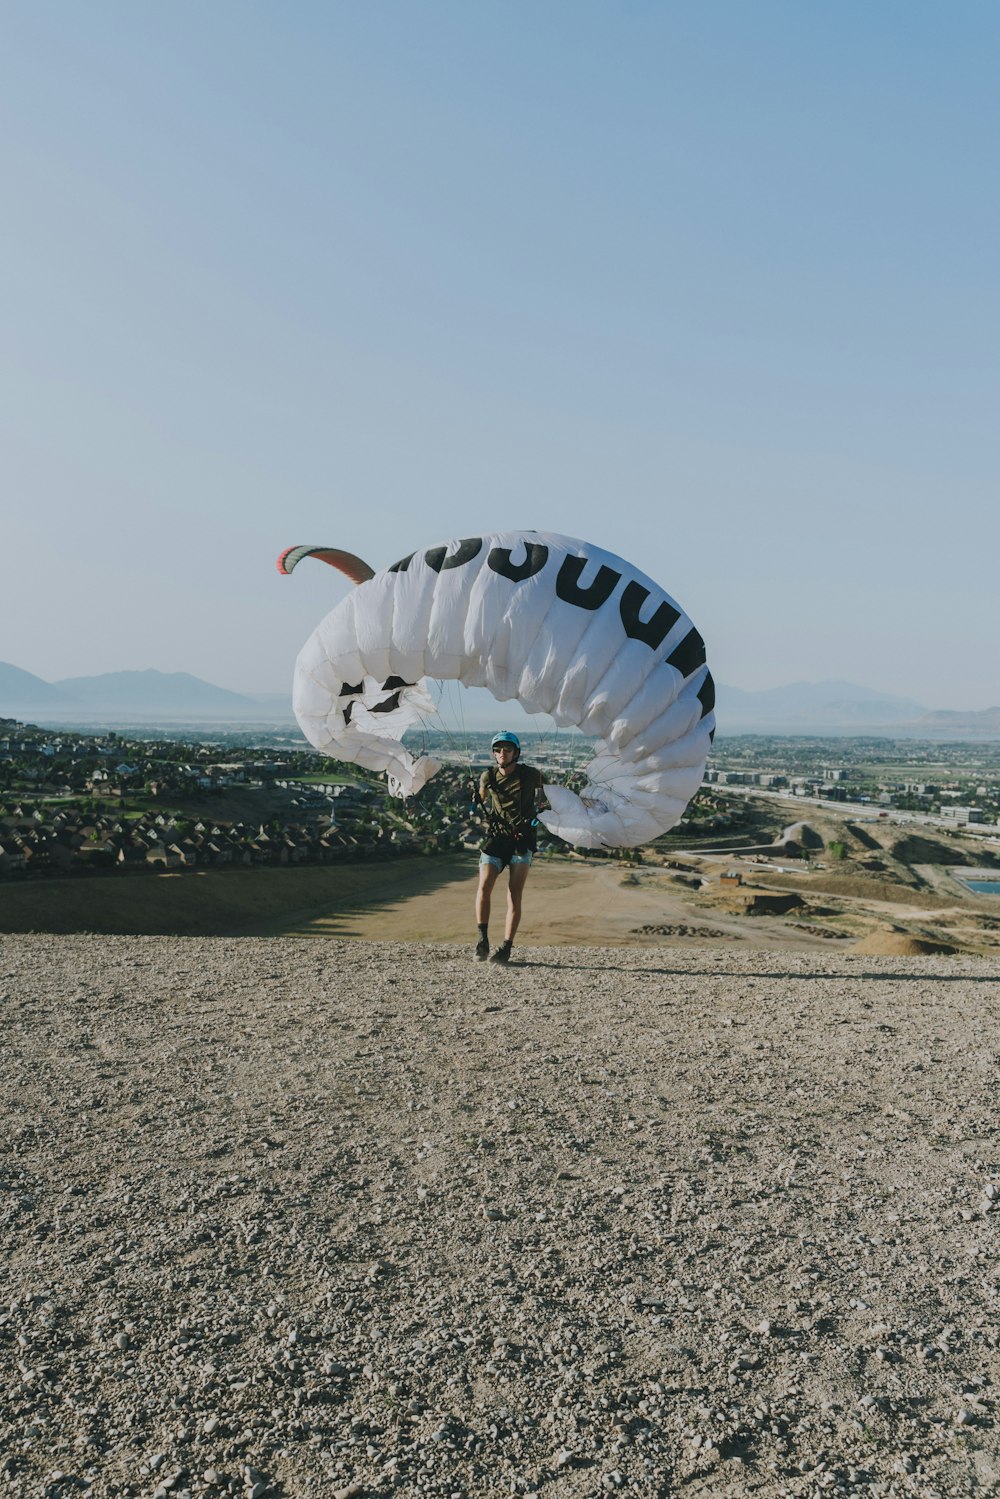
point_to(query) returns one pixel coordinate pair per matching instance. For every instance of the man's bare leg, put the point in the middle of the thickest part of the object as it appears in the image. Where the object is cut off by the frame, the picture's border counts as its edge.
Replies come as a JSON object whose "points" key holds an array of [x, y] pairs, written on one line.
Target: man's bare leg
{"points": [[518, 875], [487, 879]]}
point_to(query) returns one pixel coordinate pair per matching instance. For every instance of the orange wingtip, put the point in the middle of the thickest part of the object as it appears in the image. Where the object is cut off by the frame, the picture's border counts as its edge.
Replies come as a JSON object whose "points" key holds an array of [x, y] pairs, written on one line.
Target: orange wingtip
{"points": [[352, 567]]}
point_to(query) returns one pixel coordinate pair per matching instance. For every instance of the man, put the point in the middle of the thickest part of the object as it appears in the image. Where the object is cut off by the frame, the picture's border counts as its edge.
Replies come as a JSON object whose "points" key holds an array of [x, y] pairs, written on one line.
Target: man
{"points": [[509, 796]]}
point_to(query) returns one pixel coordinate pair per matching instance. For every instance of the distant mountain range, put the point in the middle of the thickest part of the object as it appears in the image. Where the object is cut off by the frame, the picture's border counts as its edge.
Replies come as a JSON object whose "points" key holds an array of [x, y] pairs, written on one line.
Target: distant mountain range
{"points": [[844, 708], [133, 696], [805, 705], [163, 697]]}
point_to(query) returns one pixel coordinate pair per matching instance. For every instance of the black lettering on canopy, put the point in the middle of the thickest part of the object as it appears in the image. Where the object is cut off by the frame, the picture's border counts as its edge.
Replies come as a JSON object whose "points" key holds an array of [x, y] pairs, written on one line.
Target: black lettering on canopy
{"points": [[437, 558], [389, 706], [689, 655], [346, 690], [651, 632], [391, 682], [535, 558], [595, 594], [402, 564], [706, 696]]}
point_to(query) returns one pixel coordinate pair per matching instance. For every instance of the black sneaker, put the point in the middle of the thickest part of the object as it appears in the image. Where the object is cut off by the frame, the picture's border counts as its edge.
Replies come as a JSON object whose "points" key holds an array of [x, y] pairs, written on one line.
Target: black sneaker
{"points": [[482, 950], [502, 954]]}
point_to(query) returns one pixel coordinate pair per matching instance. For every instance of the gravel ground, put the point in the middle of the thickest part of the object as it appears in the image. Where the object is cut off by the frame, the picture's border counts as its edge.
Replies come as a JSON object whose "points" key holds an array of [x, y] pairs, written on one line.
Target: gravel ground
{"points": [[328, 1218]]}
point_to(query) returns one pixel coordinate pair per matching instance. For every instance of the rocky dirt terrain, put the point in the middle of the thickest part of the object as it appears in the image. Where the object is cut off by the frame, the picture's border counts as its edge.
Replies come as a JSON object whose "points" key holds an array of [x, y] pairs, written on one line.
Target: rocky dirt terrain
{"points": [[314, 1217]]}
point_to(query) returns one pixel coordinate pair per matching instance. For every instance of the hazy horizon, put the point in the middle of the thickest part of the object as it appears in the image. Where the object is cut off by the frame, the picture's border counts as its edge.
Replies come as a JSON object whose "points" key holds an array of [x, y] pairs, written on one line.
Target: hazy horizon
{"points": [[714, 288], [178, 697]]}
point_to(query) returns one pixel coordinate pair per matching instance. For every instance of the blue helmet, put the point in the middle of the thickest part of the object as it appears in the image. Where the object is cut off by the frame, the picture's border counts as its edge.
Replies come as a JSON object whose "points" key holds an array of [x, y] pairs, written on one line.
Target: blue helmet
{"points": [[505, 736]]}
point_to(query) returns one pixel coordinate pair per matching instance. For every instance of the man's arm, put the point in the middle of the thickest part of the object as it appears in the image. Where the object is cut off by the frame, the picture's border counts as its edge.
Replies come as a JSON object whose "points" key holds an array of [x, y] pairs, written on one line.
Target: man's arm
{"points": [[478, 791]]}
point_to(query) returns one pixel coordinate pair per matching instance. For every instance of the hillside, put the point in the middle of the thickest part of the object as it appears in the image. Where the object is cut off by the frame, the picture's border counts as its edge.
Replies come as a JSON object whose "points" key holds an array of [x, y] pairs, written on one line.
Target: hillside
{"points": [[344, 1219], [22, 691]]}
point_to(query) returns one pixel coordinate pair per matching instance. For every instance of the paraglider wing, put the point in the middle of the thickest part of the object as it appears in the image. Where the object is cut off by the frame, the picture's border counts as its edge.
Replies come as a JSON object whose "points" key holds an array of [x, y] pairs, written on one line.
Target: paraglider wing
{"points": [[563, 627], [345, 562]]}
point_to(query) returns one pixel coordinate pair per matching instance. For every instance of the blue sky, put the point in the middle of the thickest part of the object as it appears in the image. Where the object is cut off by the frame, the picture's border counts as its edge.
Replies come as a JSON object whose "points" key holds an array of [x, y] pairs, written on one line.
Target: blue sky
{"points": [[714, 286]]}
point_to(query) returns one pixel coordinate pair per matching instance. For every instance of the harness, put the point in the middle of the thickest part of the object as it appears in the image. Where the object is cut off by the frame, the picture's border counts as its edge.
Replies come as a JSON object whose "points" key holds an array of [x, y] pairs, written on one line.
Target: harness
{"points": [[499, 823]]}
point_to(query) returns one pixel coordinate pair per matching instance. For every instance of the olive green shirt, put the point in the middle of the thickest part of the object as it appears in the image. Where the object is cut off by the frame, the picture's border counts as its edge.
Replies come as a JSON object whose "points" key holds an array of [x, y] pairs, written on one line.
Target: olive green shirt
{"points": [[510, 801]]}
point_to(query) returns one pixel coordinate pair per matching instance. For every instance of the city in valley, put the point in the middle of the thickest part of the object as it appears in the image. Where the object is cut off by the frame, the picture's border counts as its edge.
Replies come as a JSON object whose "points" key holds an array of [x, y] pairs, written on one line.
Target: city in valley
{"points": [[868, 844]]}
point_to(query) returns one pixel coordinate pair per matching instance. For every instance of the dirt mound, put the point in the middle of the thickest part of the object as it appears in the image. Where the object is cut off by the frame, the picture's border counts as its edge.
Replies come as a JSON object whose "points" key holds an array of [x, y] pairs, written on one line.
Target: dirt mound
{"points": [[898, 945], [914, 849], [801, 834], [769, 904], [859, 886], [865, 839], [664, 929]]}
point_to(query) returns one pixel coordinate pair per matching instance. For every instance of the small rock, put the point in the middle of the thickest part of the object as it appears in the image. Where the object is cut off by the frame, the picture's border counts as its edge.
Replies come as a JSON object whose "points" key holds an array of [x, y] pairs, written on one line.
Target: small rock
{"points": [[212, 1424], [122, 1340], [964, 1418]]}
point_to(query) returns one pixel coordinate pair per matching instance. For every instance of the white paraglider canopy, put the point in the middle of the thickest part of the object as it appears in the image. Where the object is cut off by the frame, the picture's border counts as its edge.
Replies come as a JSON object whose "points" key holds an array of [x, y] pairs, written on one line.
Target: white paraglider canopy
{"points": [[562, 627]]}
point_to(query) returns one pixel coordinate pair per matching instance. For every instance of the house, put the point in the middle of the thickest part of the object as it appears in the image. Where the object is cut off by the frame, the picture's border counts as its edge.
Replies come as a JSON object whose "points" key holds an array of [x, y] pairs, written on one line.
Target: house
{"points": [[131, 857], [12, 859]]}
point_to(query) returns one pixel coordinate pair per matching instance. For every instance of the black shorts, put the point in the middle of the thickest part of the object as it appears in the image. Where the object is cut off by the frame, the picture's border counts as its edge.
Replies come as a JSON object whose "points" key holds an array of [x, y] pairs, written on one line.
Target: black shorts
{"points": [[500, 851]]}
